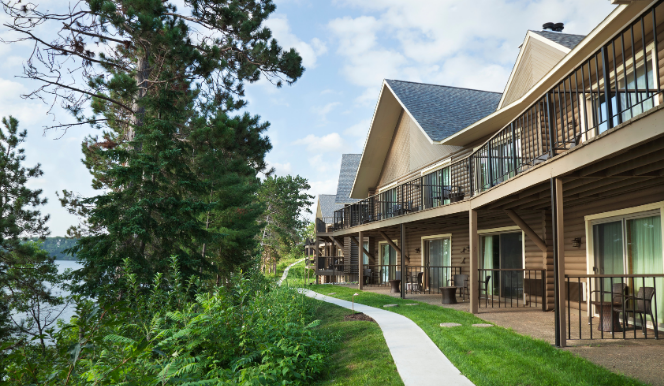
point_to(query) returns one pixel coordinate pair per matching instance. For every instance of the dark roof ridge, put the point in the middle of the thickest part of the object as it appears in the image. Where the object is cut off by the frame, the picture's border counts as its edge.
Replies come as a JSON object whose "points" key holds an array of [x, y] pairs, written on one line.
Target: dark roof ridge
{"points": [[557, 33], [442, 85]]}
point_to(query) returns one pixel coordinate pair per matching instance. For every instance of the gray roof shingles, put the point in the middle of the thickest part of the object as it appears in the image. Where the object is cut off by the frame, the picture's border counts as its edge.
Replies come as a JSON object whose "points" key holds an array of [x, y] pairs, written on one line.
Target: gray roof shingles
{"points": [[349, 165], [442, 111], [566, 40], [328, 206]]}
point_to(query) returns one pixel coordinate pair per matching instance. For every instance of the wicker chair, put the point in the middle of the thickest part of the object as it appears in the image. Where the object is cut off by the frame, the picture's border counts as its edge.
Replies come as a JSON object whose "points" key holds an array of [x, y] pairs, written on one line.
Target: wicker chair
{"points": [[640, 304], [461, 281]]}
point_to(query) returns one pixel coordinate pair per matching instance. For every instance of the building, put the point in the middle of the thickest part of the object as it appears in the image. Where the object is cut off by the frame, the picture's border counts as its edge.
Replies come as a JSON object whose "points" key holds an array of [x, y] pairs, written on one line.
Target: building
{"points": [[549, 195]]}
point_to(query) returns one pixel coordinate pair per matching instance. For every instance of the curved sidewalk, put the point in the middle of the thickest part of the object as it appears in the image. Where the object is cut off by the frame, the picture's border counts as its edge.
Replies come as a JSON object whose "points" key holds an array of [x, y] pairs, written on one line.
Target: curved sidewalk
{"points": [[418, 359], [283, 277]]}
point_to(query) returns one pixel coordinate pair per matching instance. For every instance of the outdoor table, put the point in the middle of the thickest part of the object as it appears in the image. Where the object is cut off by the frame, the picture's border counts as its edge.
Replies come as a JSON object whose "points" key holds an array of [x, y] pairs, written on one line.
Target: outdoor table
{"points": [[395, 286], [449, 295], [608, 312]]}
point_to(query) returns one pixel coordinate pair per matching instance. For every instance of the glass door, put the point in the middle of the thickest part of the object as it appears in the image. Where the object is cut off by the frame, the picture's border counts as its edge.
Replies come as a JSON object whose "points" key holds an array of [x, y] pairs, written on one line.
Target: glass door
{"points": [[502, 251], [389, 261], [438, 260], [630, 245]]}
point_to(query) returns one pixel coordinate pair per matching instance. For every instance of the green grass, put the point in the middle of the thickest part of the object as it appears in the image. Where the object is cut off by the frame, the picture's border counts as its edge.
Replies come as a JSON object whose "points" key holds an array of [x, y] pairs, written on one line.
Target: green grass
{"points": [[361, 356], [297, 275], [491, 356]]}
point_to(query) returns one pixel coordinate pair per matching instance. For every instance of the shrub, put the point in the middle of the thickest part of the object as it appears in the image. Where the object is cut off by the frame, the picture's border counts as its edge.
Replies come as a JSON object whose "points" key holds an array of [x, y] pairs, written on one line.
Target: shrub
{"points": [[246, 333]]}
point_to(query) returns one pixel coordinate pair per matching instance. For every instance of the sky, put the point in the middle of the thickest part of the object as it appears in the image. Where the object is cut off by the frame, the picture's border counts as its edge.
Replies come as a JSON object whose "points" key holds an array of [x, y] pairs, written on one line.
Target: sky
{"points": [[348, 47]]}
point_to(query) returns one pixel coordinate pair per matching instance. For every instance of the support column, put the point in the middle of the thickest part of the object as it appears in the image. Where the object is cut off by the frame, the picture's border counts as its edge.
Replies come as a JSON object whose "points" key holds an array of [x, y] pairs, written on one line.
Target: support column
{"points": [[317, 256], [360, 251], [558, 261], [474, 261], [402, 258]]}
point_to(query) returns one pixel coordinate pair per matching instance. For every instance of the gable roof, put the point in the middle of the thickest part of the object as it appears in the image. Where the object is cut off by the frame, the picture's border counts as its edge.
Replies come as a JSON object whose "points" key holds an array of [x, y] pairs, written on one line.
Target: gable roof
{"points": [[538, 54], [443, 110], [349, 165], [327, 206], [566, 40]]}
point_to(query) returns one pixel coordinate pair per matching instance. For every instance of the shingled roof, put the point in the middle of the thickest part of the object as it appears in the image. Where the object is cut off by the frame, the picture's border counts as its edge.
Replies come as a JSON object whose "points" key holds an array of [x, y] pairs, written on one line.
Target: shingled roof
{"points": [[442, 111], [328, 205], [349, 165], [566, 40]]}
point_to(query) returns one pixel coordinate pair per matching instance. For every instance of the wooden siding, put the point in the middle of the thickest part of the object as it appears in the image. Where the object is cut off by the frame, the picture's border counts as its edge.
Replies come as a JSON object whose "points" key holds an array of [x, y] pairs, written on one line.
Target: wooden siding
{"points": [[410, 151], [537, 59]]}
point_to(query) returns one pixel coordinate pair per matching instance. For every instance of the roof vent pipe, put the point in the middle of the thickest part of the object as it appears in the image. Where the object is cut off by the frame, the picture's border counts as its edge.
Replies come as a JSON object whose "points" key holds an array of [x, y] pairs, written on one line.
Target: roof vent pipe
{"points": [[556, 27]]}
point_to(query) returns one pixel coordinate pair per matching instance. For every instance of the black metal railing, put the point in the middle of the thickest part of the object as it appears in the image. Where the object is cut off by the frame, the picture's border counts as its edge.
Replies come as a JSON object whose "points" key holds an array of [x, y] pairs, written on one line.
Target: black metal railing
{"points": [[380, 275], [429, 279], [511, 288], [616, 305], [618, 82]]}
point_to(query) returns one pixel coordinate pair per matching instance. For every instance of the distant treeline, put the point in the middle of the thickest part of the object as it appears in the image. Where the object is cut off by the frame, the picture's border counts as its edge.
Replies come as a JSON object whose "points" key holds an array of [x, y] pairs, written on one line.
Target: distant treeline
{"points": [[56, 245]]}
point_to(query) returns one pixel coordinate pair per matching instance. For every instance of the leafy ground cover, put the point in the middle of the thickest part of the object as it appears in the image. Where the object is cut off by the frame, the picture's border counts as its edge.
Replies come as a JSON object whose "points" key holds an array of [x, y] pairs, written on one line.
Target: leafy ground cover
{"points": [[491, 356], [361, 356]]}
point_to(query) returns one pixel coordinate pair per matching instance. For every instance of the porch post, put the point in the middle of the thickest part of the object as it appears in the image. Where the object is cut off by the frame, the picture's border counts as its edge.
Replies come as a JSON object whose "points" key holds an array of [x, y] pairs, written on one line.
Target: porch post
{"points": [[560, 310], [360, 259], [474, 261], [402, 257], [317, 257]]}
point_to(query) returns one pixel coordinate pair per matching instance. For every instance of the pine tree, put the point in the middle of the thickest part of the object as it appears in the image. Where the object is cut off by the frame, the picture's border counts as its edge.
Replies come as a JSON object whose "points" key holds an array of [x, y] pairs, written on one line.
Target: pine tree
{"points": [[20, 262], [285, 201], [163, 95]]}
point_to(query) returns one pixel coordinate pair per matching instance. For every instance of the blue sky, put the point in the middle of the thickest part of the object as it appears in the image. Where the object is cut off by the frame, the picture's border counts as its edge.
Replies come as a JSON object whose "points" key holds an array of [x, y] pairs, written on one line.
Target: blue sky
{"points": [[348, 47]]}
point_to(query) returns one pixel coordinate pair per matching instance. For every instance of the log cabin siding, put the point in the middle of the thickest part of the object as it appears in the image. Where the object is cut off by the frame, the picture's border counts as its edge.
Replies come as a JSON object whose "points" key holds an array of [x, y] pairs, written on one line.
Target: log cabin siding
{"points": [[537, 59], [409, 152]]}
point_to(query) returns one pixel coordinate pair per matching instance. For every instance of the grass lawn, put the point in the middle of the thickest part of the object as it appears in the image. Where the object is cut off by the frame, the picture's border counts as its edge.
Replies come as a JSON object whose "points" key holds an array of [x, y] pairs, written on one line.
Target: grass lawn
{"points": [[361, 356], [495, 355]]}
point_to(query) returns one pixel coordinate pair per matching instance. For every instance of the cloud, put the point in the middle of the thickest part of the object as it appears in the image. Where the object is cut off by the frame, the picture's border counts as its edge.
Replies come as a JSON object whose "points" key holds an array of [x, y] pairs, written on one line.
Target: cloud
{"points": [[330, 143], [281, 30], [282, 168], [322, 111], [458, 43]]}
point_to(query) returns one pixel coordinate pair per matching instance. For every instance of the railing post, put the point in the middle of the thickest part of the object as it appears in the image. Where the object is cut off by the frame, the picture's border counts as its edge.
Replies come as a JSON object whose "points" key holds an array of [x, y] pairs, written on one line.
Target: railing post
{"points": [[543, 274], [549, 123], [402, 257], [360, 249], [514, 163], [607, 88], [474, 261], [470, 175], [489, 162]]}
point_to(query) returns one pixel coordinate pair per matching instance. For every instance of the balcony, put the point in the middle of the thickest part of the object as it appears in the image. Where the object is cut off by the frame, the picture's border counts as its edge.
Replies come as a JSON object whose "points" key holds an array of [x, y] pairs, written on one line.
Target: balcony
{"points": [[618, 82]]}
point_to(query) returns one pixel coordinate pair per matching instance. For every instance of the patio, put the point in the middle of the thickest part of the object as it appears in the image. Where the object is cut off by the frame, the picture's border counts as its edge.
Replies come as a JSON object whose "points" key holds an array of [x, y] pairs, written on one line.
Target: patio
{"points": [[632, 357]]}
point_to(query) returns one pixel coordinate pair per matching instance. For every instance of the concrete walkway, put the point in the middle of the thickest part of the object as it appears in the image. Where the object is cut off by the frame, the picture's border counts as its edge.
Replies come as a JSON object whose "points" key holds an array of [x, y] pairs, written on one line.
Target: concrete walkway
{"points": [[418, 359], [283, 277]]}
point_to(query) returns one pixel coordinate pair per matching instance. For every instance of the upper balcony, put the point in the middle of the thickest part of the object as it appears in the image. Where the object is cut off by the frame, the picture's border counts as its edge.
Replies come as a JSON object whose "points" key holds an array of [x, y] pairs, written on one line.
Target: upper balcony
{"points": [[619, 81]]}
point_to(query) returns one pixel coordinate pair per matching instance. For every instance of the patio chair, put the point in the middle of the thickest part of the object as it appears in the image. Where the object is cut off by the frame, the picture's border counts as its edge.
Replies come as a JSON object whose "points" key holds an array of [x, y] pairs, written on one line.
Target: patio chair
{"points": [[416, 282], [461, 281], [643, 306], [484, 286], [366, 275]]}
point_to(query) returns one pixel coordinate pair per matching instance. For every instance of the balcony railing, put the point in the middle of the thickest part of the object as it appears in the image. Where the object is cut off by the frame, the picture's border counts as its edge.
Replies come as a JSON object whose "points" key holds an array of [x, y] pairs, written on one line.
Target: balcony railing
{"points": [[618, 82], [614, 306]]}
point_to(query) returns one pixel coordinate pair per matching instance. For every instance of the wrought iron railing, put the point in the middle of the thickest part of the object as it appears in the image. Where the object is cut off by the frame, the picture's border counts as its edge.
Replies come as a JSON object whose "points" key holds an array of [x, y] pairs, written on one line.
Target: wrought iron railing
{"points": [[618, 82], [429, 279], [511, 288], [614, 306]]}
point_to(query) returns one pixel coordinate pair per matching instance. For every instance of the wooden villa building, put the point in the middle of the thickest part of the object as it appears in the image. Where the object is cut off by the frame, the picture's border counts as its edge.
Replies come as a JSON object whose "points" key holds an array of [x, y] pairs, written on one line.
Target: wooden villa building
{"points": [[549, 195]]}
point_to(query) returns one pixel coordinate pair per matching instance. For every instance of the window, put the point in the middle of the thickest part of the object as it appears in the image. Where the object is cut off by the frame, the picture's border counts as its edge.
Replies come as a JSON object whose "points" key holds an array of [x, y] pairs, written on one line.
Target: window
{"points": [[388, 260], [365, 258]]}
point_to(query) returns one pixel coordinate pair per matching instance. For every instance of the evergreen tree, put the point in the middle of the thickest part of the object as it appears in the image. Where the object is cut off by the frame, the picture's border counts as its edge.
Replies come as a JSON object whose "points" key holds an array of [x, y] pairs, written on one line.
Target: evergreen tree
{"points": [[174, 166], [285, 201], [21, 264]]}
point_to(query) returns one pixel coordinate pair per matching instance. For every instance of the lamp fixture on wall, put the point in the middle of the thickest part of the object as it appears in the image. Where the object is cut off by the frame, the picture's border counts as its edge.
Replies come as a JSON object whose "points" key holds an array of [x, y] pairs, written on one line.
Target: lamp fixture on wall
{"points": [[417, 250], [576, 243]]}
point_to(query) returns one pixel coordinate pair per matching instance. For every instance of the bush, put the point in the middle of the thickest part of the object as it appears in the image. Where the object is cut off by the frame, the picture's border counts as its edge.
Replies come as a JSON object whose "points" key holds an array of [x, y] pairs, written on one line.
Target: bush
{"points": [[246, 333]]}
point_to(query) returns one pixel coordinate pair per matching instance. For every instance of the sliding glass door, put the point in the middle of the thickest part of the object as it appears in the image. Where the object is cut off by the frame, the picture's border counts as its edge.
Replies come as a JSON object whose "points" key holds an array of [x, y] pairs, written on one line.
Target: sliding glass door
{"points": [[438, 261], [502, 251], [631, 245], [388, 258]]}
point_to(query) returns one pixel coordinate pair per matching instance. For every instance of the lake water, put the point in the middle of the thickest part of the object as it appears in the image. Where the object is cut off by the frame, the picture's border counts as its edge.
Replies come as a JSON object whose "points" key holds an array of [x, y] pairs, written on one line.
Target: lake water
{"points": [[70, 309]]}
